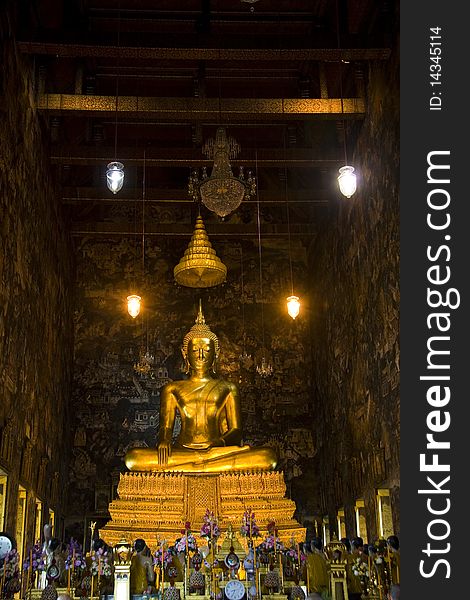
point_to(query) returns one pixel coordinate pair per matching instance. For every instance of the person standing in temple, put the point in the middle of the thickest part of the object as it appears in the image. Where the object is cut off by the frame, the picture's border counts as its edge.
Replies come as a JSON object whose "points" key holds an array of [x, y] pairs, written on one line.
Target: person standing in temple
{"points": [[47, 553], [394, 546], [317, 569], [355, 588], [142, 574]]}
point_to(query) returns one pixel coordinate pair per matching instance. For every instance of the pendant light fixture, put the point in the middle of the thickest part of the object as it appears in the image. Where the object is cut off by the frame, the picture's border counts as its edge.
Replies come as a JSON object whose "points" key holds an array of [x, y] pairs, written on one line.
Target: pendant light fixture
{"points": [[115, 169], [221, 192], [264, 367], [244, 357], [134, 301], [293, 301], [115, 176], [146, 359], [133, 305], [347, 178], [200, 267]]}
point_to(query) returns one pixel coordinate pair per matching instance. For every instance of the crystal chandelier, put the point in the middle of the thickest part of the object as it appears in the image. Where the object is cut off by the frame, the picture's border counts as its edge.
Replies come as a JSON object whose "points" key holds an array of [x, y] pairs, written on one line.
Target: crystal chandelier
{"points": [[264, 367], [244, 358], [145, 363], [221, 192]]}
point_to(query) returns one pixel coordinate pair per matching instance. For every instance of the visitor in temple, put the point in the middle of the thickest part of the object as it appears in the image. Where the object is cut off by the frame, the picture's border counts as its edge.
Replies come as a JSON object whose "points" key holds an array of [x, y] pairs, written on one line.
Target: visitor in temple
{"points": [[142, 573], [317, 569], [394, 546], [354, 559], [346, 541]]}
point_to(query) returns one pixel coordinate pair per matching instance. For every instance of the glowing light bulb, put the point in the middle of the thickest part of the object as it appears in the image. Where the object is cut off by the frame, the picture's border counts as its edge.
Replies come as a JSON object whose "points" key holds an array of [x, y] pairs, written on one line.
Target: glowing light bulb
{"points": [[293, 306], [115, 176], [347, 181], [133, 305]]}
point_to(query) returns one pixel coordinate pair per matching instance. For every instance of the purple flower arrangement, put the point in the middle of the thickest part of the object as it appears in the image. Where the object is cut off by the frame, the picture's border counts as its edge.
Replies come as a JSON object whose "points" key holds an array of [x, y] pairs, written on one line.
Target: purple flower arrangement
{"points": [[210, 529], [167, 557], [75, 559], [180, 545], [100, 563], [292, 555], [10, 567], [270, 542], [34, 559], [249, 527]]}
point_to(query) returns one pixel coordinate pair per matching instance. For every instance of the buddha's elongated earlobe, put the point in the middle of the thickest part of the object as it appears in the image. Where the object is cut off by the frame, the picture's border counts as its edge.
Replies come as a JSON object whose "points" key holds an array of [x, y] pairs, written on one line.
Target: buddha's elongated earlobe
{"points": [[187, 366], [214, 364]]}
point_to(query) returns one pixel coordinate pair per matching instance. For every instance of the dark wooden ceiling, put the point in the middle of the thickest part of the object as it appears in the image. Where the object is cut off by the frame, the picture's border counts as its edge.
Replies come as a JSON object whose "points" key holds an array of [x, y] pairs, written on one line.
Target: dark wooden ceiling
{"points": [[133, 78]]}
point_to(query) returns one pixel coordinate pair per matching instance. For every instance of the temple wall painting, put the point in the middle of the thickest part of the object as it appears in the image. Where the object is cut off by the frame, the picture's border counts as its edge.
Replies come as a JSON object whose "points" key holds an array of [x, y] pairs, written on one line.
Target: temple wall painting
{"points": [[36, 289], [355, 284]]}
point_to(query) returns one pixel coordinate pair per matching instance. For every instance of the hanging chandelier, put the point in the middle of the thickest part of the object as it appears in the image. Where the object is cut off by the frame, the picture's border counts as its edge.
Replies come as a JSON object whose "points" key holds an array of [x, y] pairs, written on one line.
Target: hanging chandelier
{"points": [[264, 367], [145, 363], [221, 192], [200, 267]]}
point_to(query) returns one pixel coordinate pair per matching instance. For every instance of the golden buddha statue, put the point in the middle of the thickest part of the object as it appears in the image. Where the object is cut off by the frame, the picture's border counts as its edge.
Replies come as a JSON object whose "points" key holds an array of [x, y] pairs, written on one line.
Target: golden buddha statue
{"points": [[211, 432]]}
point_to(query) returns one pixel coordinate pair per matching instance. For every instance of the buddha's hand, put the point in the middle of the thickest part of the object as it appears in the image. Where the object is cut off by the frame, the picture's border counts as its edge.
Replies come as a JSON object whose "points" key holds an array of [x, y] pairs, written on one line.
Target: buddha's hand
{"points": [[164, 451]]}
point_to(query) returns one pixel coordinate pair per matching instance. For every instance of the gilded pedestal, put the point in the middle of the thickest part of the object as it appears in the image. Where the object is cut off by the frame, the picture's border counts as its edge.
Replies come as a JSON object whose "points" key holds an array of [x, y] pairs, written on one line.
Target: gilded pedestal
{"points": [[154, 506]]}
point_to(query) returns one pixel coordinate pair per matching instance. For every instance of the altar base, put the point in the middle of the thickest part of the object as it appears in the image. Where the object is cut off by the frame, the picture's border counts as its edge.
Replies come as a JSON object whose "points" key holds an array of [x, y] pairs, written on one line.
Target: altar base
{"points": [[155, 506]]}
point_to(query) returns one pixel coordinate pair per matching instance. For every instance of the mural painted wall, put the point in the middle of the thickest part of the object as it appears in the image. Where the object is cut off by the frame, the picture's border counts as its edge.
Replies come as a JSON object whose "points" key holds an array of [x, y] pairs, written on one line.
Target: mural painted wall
{"points": [[36, 284], [355, 266]]}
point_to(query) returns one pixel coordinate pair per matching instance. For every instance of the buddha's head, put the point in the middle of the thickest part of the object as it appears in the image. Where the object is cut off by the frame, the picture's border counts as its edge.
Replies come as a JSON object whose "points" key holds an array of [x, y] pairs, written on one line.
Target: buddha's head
{"points": [[200, 345], [201, 353]]}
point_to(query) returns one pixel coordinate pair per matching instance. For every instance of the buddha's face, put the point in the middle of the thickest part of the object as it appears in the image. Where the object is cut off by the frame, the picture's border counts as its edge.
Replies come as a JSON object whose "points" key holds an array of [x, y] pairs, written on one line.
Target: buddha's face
{"points": [[201, 353]]}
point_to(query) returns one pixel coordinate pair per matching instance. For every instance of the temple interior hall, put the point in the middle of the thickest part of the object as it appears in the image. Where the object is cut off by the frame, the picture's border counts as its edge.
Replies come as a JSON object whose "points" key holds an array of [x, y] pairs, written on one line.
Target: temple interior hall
{"points": [[229, 121]]}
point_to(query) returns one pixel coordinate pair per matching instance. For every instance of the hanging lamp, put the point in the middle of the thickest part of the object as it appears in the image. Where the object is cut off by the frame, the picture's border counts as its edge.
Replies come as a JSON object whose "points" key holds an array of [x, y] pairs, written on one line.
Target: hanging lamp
{"points": [[347, 181], [293, 301], [133, 305], [115, 169], [293, 306], [264, 367], [200, 267]]}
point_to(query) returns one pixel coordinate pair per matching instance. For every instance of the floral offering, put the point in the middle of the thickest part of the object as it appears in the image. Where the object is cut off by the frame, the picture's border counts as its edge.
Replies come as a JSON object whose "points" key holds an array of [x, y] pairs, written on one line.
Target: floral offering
{"points": [[10, 568], [292, 555], [75, 559], [34, 559], [360, 568], [167, 557], [210, 530], [269, 543], [100, 564], [249, 527], [272, 529], [187, 542]]}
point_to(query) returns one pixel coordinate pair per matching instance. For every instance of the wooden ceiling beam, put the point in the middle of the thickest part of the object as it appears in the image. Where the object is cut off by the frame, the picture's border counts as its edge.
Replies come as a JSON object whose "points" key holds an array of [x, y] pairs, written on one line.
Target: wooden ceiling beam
{"points": [[81, 195], [190, 157], [60, 50], [207, 109], [220, 230]]}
